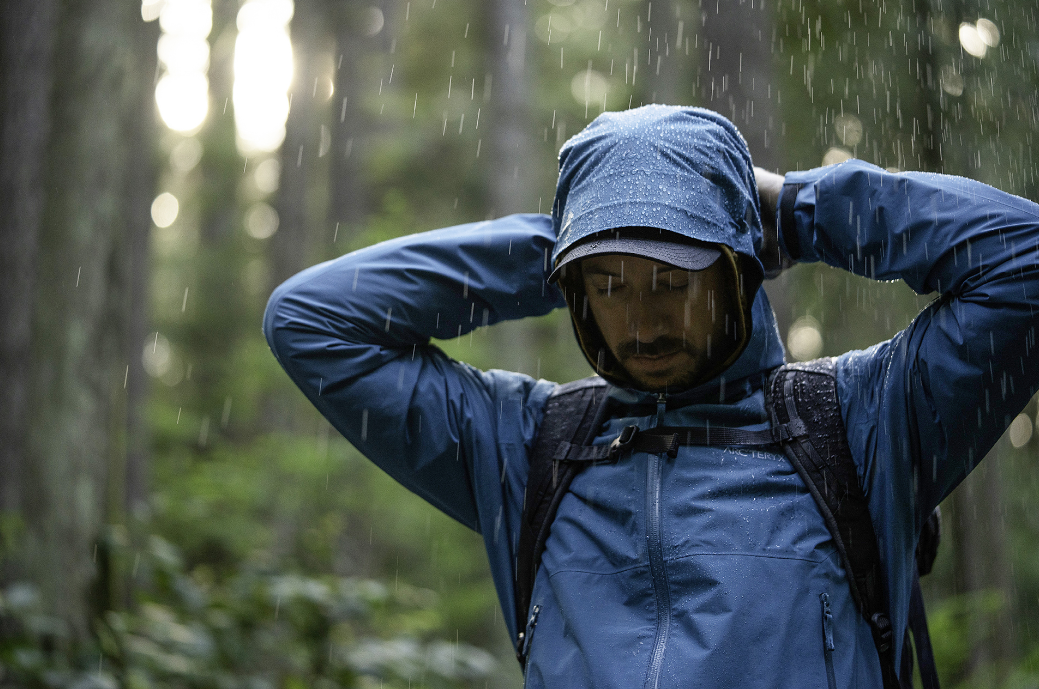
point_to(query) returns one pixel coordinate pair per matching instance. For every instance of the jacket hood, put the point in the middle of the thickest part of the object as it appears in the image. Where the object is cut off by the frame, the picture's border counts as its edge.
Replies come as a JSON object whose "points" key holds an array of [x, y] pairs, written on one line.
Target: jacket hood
{"points": [[685, 172]]}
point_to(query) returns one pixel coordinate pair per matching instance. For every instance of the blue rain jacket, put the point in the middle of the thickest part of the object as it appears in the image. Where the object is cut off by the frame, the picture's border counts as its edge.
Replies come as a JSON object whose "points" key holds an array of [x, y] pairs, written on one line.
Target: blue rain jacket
{"points": [[713, 569]]}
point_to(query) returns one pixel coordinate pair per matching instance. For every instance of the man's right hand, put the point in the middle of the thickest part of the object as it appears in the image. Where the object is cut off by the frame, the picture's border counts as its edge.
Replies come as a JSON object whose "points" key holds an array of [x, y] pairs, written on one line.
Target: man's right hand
{"points": [[770, 186]]}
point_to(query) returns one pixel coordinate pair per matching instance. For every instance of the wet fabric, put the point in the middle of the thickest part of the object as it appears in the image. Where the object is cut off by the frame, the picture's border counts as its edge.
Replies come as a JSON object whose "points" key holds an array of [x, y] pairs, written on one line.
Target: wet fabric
{"points": [[684, 170], [712, 569], [650, 177]]}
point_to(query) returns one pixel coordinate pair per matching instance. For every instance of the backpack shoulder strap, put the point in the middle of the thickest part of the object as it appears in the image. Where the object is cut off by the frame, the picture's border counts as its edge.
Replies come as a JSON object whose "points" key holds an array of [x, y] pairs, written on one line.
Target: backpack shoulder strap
{"points": [[823, 460], [822, 457], [572, 414]]}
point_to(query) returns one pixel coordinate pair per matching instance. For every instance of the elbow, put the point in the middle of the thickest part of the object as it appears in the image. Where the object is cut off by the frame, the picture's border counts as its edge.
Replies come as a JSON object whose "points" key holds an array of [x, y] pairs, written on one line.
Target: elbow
{"points": [[270, 319], [274, 320]]}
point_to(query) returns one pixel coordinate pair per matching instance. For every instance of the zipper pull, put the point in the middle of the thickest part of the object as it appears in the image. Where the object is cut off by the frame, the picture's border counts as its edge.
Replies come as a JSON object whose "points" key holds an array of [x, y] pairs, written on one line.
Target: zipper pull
{"points": [[523, 645], [827, 622], [661, 406]]}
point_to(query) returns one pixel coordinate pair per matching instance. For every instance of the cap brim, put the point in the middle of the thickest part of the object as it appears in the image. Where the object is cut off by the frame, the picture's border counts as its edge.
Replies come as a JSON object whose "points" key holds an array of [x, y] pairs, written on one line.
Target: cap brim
{"points": [[679, 254]]}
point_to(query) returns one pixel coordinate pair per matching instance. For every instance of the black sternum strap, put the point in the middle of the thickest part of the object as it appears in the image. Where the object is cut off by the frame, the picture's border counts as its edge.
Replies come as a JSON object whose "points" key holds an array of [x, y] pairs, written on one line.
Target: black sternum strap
{"points": [[669, 438]]}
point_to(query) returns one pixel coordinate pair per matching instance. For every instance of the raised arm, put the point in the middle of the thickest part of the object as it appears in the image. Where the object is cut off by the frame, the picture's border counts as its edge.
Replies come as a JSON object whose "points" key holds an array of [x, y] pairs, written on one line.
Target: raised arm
{"points": [[354, 334], [924, 407], [962, 370]]}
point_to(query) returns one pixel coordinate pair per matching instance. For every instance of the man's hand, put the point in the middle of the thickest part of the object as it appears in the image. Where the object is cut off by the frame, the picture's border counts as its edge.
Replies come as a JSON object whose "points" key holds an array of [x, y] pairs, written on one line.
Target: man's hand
{"points": [[770, 186]]}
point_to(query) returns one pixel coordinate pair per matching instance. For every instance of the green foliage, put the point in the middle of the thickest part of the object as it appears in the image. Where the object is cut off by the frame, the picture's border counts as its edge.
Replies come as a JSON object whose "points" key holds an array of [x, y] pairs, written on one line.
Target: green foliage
{"points": [[952, 625], [957, 627], [251, 629]]}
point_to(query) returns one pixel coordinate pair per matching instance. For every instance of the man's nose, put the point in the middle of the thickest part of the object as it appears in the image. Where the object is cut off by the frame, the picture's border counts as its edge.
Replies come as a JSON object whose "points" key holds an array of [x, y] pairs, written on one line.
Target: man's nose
{"points": [[647, 319]]}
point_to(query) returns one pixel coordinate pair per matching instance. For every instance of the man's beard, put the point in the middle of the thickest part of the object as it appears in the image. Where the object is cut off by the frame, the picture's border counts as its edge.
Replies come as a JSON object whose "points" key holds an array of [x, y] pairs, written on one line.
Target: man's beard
{"points": [[665, 344], [674, 381]]}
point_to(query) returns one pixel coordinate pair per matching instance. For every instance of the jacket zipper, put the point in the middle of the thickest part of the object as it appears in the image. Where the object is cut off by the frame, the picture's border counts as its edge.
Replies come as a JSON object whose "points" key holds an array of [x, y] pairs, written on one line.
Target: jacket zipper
{"points": [[532, 622], [661, 588], [828, 646]]}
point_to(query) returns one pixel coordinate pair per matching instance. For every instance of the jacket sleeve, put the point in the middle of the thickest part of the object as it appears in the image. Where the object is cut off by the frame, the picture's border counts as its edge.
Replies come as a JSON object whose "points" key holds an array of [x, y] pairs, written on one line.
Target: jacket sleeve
{"points": [[963, 369], [924, 407], [354, 335]]}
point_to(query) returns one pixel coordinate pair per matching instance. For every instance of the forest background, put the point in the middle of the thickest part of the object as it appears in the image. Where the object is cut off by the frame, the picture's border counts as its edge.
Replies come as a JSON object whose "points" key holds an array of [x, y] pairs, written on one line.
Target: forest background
{"points": [[172, 511]]}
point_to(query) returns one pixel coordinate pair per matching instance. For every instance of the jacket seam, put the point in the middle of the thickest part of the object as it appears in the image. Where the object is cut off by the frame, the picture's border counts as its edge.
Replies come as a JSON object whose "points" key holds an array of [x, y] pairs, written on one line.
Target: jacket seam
{"points": [[645, 565]]}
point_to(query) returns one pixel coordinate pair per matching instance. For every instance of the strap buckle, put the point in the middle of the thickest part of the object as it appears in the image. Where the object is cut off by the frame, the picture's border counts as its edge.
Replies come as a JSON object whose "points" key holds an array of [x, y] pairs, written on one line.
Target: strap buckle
{"points": [[880, 625], [624, 442], [795, 428]]}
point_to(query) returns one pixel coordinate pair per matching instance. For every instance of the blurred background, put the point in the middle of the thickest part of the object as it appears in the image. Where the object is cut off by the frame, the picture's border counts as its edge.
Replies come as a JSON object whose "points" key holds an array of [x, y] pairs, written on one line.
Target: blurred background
{"points": [[172, 511]]}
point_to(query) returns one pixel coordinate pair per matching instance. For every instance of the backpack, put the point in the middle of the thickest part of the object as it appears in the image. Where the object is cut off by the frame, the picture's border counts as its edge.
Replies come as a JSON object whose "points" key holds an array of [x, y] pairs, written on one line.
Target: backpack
{"points": [[806, 424]]}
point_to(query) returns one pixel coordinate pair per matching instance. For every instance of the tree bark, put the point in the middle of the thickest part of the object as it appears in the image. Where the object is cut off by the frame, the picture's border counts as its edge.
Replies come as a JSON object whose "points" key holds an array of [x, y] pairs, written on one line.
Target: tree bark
{"points": [[78, 364], [347, 197], [982, 565], [26, 38], [736, 79], [142, 177], [664, 58], [511, 176], [291, 247], [736, 72]]}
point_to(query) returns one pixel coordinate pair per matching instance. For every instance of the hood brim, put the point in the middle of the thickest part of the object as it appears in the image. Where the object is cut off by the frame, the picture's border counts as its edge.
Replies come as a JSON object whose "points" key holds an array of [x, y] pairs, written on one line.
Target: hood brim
{"points": [[667, 248]]}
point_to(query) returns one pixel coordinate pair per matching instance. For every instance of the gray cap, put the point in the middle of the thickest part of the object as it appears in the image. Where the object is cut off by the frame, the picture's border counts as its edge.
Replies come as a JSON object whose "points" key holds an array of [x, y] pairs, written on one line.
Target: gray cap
{"points": [[682, 254]]}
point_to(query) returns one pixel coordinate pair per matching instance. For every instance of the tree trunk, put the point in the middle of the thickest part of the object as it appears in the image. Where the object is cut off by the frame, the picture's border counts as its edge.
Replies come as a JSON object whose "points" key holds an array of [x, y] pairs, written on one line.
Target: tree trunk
{"points": [[667, 55], [78, 364], [26, 38], [736, 73], [211, 338], [510, 176], [307, 138], [347, 198], [982, 566], [142, 177], [511, 173]]}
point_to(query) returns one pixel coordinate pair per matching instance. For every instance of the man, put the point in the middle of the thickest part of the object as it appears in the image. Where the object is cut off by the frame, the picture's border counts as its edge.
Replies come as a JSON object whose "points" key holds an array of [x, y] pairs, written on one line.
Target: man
{"points": [[713, 568]]}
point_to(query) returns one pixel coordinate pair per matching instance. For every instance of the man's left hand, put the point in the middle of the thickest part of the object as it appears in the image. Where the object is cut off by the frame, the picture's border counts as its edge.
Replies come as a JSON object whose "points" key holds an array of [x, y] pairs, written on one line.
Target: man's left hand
{"points": [[773, 258]]}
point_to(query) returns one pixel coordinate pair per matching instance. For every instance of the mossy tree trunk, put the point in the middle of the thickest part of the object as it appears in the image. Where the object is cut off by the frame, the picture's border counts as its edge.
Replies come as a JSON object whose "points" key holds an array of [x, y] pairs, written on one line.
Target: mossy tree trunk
{"points": [[79, 209], [26, 36]]}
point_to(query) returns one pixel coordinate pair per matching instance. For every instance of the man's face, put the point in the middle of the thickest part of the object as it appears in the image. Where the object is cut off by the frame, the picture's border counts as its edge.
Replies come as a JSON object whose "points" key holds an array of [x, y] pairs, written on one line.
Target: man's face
{"points": [[665, 325]]}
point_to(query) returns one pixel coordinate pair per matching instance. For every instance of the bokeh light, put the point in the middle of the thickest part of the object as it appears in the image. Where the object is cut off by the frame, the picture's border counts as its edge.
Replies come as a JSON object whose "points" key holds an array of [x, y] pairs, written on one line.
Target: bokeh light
{"points": [[835, 155], [373, 21], [261, 221], [262, 74], [156, 356], [952, 81], [182, 93], [1020, 431], [186, 154], [160, 360], [589, 87], [805, 339], [267, 175], [977, 38], [165, 209], [849, 129], [989, 32], [151, 9], [553, 28], [971, 41], [183, 100]]}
